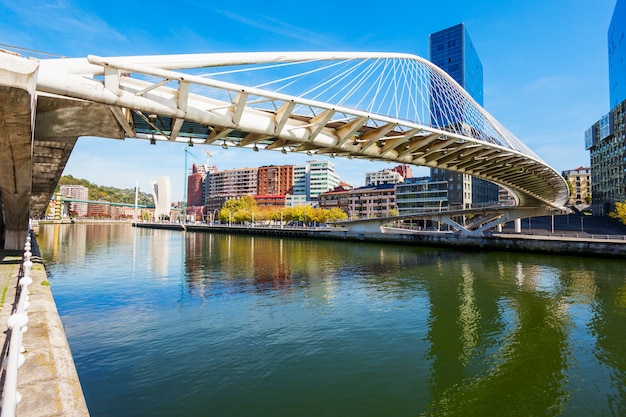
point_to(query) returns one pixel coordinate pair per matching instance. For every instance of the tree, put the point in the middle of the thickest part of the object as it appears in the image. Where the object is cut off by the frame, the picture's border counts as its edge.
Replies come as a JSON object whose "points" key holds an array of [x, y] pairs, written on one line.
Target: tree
{"points": [[620, 212], [239, 210], [335, 214]]}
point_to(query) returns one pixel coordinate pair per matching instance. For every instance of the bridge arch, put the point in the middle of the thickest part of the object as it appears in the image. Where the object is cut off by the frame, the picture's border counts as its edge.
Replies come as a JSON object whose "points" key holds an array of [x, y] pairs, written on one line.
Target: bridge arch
{"points": [[390, 107], [382, 106]]}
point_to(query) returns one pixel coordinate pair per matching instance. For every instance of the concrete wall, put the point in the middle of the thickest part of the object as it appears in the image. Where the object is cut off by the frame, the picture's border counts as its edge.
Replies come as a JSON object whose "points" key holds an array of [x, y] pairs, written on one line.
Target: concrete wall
{"points": [[577, 246]]}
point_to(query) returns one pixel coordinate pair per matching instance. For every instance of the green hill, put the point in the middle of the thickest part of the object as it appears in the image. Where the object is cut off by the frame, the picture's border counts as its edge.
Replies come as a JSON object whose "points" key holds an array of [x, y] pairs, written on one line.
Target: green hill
{"points": [[112, 194]]}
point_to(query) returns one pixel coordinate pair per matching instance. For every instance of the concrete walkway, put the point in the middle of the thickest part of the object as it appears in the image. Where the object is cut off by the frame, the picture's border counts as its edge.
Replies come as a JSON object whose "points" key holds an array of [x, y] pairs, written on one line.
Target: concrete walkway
{"points": [[48, 381]]}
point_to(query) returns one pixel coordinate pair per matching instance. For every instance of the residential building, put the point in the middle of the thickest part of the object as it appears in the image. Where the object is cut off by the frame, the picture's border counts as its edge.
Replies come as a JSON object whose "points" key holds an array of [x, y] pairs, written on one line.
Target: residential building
{"points": [[372, 201], [195, 187], [452, 50], [292, 200], [606, 139], [275, 180], [311, 180], [196, 190], [505, 196], [232, 183], [338, 197], [421, 194], [270, 200], [580, 184], [76, 192], [273, 184], [161, 193], [404, 170], [385, 176], [98, 210]]}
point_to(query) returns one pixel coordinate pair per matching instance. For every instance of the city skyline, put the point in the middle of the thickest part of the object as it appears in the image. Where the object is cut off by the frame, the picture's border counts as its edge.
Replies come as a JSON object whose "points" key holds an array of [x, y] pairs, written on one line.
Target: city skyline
{"points": [[545, 67]]}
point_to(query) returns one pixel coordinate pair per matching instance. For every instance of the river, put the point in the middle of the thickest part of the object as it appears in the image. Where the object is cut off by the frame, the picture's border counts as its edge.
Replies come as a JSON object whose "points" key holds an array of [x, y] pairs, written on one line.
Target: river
{"points": [[166, 323]]}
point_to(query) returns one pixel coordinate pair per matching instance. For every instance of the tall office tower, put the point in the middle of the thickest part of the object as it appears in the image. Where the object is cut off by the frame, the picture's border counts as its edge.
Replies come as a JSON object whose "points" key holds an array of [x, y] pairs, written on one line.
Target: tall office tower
{"points": [[310, 180], [161, 193], [617, 54], [606, 139], [77, 192], [452, 50]]}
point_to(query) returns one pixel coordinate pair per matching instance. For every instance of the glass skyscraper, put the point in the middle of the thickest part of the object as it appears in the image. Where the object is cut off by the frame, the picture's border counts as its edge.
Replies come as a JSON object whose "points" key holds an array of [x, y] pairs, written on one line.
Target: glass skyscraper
{"points": [[617, 54], [452, 50], [606, 139]]}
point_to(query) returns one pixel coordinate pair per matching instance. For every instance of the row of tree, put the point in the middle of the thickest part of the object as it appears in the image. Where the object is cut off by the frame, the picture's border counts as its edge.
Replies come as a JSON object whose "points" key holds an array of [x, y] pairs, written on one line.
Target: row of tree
{"points": [[245, 209]]}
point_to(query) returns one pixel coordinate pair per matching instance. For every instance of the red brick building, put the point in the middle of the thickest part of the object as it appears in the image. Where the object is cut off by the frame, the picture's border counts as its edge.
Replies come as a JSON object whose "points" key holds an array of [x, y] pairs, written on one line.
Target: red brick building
{"points": [[275, 180]]}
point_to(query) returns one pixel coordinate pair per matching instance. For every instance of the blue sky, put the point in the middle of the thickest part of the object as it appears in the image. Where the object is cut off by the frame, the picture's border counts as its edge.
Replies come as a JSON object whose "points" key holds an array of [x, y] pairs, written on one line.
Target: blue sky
{"points": [[545, 63]]}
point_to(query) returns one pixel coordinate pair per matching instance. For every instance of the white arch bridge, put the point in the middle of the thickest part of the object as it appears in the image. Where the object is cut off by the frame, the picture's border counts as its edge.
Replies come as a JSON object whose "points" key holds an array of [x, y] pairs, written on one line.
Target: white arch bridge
{"points": [[379, 106]]}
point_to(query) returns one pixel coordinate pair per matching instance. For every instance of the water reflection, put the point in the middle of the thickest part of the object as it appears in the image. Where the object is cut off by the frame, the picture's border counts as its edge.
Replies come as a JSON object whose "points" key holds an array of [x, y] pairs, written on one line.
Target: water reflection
{"points": [[295, 327], [65, 243], [495, 347], [218, 263]]}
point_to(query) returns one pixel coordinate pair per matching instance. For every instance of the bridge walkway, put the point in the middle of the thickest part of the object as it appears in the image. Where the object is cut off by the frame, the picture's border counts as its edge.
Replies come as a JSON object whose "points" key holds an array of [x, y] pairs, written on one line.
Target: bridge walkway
{"points": [[47, 381]]}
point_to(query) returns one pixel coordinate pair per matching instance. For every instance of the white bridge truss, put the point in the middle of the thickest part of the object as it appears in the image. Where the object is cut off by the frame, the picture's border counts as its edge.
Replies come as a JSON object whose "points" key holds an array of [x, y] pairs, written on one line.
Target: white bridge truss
{"points": [[380, 106]]}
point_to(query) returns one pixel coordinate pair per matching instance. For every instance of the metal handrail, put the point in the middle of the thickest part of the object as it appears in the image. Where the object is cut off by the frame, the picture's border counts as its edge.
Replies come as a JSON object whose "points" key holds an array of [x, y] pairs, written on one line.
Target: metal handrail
{"points": [[17, 324]]}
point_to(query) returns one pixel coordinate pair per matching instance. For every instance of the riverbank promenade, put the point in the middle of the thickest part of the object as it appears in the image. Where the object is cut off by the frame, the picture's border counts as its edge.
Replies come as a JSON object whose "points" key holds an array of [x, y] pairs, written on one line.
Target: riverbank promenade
{"points": [[564, 235], [47, 381]]}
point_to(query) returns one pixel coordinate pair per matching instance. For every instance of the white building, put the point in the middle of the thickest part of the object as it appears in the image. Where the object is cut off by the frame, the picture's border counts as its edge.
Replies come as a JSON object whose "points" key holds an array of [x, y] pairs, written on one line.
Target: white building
{"points": [[386, 176], [161, 192], [311, 180], [77, 192]]}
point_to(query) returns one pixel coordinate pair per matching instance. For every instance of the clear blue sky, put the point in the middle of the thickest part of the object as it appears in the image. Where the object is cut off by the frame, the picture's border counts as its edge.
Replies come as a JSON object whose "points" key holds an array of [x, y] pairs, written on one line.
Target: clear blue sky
{"points": [[545, 63]]}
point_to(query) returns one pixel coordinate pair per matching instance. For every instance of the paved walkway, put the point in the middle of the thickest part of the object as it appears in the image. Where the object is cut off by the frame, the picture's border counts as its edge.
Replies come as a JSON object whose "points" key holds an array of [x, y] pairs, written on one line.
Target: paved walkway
{"points": [[48, 381]]}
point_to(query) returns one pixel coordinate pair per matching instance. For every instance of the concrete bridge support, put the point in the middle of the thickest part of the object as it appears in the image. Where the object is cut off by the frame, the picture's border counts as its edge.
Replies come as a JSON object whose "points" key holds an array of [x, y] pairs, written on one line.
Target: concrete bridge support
{"points": [[37, 135], [18, 81], [485, 219]]}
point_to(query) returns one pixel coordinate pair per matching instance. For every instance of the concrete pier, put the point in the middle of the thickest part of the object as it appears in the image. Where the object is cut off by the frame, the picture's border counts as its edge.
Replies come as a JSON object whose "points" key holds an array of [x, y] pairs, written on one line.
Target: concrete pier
{"points": [[47, 381]]}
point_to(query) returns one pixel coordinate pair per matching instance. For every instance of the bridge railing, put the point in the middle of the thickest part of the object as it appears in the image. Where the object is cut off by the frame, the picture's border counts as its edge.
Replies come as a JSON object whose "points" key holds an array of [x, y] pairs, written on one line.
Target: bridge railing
{"points": [[17, 324]]}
